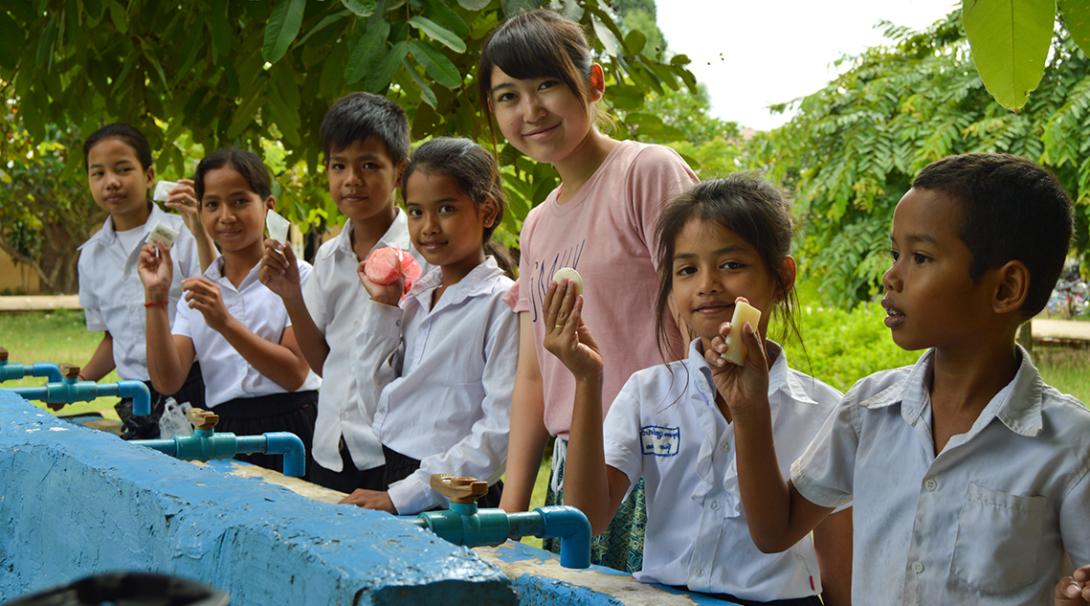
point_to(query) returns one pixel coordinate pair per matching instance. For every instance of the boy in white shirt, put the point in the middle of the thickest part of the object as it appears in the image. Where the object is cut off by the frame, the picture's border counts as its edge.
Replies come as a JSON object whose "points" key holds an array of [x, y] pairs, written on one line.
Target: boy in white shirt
{"points": [[968, 475], [119, 174], [365, 139]]}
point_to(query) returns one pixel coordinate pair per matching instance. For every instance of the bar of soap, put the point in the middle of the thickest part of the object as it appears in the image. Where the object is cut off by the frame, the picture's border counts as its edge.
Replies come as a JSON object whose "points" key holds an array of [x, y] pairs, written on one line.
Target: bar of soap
{"points": [[743, 312], [162, 232], [277, 225], [385, 265], [568, 273], [162, 190]]}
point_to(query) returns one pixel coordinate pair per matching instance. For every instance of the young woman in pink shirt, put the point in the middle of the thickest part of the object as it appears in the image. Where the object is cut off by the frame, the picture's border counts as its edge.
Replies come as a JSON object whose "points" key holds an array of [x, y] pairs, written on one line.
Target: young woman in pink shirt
{"points": [[539, 83]]}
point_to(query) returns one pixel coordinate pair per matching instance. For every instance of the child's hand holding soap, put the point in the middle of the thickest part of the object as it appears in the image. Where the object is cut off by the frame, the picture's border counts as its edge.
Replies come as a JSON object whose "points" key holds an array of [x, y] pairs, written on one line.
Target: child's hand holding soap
{"points": [[743, 312]]}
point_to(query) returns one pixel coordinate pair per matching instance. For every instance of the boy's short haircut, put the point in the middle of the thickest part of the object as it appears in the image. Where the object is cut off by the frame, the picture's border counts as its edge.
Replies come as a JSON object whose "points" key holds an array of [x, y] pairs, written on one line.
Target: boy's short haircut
{"points": [[127, 134], [1013, 209], [357, 116]]}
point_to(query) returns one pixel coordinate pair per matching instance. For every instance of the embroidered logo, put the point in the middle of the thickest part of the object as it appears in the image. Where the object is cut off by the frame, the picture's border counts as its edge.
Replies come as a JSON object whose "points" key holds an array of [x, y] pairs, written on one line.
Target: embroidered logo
{"points": [[660, 441]]}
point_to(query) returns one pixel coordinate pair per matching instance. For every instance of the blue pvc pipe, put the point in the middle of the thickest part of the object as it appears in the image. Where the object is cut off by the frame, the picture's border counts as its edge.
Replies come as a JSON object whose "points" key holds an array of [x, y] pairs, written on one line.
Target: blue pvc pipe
{"points": [[289, 445], [205, 444], [572, 527], [71, 390], [14, 370]]}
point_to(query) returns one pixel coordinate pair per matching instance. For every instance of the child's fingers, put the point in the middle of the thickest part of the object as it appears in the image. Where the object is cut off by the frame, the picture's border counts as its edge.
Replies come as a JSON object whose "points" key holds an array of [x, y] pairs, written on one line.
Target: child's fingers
{"points": [[566, 317], [754, 348], [552, 306]]}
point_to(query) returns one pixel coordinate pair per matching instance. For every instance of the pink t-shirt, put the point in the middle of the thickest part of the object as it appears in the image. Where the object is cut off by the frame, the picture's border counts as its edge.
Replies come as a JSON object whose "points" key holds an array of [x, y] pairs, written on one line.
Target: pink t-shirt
{"points": [[606, 231]]}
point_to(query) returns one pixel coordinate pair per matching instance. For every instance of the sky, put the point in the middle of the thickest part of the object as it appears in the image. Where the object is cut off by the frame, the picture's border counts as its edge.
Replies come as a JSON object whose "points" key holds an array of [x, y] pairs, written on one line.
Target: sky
{"points": [[754, 53]]}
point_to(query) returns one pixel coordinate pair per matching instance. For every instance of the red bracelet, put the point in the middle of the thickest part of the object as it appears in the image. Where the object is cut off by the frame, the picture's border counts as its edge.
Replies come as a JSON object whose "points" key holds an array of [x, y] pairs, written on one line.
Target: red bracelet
{"points": [[155, 303]]}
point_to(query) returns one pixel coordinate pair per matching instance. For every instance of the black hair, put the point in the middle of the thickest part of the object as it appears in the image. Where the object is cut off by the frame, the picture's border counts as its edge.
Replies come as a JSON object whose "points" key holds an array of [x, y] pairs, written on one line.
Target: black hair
{"points": [[127, 135], [749, 207], [245, 163], [1011, 209], [357, 116], [536, 44], [475, 172]]}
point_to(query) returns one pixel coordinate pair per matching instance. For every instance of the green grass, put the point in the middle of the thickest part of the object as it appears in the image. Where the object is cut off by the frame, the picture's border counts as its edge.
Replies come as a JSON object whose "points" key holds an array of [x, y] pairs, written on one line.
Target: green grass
{"points": [[59, 337]]}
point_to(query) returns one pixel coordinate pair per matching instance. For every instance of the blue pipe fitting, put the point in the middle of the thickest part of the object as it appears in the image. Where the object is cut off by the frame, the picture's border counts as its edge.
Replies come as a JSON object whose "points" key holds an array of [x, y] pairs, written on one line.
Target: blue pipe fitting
{"points": [[69, 390], [206, 444], [464, 524], [13, 370], [572, 527]]}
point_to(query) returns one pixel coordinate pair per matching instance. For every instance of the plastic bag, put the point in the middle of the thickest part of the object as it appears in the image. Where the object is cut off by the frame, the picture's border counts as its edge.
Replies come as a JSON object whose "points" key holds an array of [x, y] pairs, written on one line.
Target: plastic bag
{"points": [[174, 422]]}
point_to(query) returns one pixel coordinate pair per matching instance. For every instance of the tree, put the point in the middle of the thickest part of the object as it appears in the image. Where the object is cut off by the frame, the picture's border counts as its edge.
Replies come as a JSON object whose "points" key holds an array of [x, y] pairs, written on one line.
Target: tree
{"points": [[853, 147], [244, 73]]}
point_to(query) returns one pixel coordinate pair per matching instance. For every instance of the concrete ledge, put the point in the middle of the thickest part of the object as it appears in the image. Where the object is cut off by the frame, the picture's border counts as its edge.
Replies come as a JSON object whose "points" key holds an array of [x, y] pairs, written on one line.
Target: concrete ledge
{"points": [[77, 502], [39, 302]]}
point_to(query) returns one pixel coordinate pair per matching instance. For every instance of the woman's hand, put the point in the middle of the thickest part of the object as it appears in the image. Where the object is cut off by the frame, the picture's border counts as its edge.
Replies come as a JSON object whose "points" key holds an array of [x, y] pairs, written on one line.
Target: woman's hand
{"points": [[1075, 589], [156, 271], [387, 294], [566, 335], [279, 269], [204, 296], [370, 499], [183, 198], [743, 388]]}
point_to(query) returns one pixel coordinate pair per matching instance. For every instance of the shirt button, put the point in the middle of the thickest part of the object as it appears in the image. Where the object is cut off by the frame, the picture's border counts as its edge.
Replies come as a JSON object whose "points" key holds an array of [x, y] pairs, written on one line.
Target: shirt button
{"points": [[917, 567], [931, 484], [725, 447], [715, 505], [699, 572]]}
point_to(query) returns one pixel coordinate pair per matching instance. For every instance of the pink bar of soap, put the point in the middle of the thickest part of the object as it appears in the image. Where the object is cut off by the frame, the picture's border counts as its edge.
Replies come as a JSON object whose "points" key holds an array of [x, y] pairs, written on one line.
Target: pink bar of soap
{"points": [[385, 265]]}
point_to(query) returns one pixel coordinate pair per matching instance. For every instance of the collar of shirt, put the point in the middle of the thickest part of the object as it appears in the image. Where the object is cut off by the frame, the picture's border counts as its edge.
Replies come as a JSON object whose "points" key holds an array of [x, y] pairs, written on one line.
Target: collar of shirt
{"points": [[780, 379], [1017, 405], [215, 273], [480, 280], [397, 235], [108, 235]]}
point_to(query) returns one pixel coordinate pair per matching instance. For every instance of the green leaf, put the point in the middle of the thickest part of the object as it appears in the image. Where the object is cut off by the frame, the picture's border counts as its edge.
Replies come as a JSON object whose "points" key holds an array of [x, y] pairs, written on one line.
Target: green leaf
{"points": [[1009, 41], [609, 41], [324, 23], [439, 33], [367, 52], [514, 7], [436, 64], [283, 26], [360, 8], [120, 16], [1076, 16], [222, 35], [634, 42], [473, 5], [11, 41], [95, 10], [377, 80], [439, 12], [426, 93]]}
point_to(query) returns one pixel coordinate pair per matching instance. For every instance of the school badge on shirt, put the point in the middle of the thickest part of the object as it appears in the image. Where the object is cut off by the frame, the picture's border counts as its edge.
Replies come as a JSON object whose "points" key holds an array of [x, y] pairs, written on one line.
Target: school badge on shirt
{"points": [[660, 441]]}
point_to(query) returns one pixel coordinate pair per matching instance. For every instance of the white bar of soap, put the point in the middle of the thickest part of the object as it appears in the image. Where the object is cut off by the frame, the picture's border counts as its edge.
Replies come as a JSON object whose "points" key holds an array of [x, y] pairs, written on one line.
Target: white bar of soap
{"points": [[743, 312], [277, 225], [162, 232], [162, 190], [568, 273]]}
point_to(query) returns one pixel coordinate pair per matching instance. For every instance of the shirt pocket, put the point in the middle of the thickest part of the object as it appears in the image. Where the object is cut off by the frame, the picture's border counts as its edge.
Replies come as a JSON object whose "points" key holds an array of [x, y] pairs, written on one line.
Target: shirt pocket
{"points": [[995, 530]]}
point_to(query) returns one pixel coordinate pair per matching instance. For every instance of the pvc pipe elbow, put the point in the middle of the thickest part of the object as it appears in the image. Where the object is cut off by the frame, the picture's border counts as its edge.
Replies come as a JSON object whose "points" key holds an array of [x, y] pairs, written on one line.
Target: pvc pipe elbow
{"points": [[572, 527], [141, 397], [289, 445], [52, 371]]}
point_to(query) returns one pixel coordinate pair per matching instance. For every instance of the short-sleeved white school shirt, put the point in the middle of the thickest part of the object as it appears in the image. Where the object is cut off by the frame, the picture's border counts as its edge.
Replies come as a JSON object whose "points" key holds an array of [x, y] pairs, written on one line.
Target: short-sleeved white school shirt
{"points": [[987, 521], [337, 303], [664, 427], [227, 375], [112, 295]]}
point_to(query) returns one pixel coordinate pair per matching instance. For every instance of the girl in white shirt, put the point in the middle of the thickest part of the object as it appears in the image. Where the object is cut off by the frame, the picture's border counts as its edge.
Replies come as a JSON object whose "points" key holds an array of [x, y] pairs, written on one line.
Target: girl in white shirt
{"points": [[442, 362], [722, 240], [255, 376]]}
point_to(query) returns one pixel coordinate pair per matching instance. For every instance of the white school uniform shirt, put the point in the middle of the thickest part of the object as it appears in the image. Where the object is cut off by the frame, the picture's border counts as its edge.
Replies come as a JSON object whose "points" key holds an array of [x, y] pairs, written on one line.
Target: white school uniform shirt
{"points": [[112, 295], [665, 427], [337, 303], [987, 521], [446, 392], [227, 375]]}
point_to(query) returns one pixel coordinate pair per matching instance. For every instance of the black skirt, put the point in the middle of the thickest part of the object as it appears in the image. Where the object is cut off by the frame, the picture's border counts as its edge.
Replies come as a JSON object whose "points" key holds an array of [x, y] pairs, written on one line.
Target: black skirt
{"points": [[399, 466], [295, 412]]}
